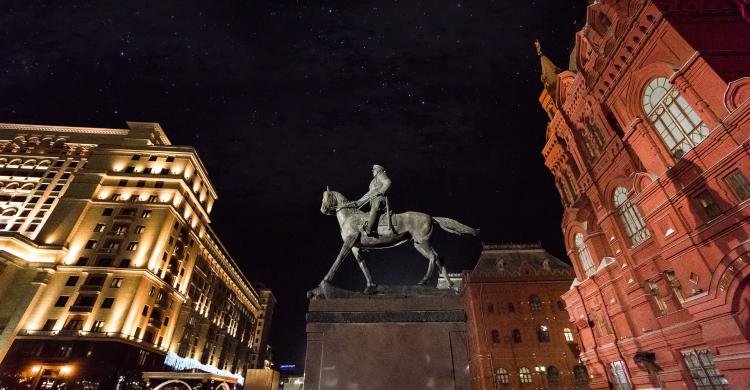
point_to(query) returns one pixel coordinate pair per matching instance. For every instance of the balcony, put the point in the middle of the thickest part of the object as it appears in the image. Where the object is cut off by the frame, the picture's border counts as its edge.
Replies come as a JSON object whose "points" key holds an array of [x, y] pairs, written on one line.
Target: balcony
{"points": [[81, 309], [125, 217], [91, 288], [105, 250]]}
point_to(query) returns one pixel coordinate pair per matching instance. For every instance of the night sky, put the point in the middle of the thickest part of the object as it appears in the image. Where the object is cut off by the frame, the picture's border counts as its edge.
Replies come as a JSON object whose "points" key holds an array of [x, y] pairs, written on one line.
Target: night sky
{"points": [[282, 98]]}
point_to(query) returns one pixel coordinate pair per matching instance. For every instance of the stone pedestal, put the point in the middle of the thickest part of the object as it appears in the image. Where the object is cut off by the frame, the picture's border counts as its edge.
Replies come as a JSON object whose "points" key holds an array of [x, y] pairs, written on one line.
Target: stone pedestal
{"points": [[400, 338]]}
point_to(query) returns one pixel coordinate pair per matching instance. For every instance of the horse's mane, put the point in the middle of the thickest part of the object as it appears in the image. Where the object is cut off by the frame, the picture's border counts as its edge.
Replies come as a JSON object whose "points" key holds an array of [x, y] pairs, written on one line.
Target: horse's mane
{"points": [[340, 198]]}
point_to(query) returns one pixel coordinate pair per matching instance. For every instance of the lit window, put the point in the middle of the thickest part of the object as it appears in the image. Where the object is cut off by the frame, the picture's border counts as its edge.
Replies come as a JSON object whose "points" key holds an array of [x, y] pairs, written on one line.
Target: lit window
{"points": [[677, 124], [90, 244], [568, 335], [658, 299], [99, 228], [116, 197], [630, 217], [675, 285], [501, 377], [98, 326], [739, 184], [146, 214], [587, 263], [116, 283], [542, 333], [620, 375], [139, 229], [133, 245], [703, 370], [535, 304], [525, 375]]}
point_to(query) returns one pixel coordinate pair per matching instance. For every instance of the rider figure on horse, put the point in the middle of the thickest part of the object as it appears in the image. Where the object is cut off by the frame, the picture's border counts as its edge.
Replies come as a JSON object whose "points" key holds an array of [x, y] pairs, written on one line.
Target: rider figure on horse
{"points": [[376, 196]]}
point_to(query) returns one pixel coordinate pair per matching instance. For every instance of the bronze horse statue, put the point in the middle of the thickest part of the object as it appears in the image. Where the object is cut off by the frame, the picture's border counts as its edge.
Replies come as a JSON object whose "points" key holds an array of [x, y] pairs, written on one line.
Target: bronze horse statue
{"points": [[405, 226]]}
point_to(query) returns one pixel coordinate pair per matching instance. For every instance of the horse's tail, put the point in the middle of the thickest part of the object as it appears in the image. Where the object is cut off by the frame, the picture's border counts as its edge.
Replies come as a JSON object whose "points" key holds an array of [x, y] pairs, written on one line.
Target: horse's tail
{"points": [[455, 227]]}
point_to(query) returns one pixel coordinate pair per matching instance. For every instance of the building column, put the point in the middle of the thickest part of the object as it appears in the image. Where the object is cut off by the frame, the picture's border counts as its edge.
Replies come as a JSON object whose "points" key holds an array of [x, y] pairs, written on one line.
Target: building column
{"points": [[22, 287]]}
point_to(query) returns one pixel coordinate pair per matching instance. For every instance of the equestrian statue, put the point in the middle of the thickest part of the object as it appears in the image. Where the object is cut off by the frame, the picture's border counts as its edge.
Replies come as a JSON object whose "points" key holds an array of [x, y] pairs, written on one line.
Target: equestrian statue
{"points": [[379, 229]]}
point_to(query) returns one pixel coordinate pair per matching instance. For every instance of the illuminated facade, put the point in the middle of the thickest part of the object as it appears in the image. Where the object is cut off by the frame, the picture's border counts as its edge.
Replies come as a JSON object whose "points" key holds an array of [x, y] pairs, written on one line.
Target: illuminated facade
{"points": [[108, 264], [519, 332], [648, 144]]}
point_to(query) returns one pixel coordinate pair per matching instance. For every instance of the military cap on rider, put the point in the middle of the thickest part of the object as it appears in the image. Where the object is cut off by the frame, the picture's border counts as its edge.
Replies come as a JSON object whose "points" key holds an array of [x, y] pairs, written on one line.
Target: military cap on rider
{"points": [[380, 167]]}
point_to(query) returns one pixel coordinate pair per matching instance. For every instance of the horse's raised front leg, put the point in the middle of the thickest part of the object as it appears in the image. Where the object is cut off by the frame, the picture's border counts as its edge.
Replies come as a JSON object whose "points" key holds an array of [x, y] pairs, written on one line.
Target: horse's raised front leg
{"points": [[345, 249], [370, 285], [426, 250]]}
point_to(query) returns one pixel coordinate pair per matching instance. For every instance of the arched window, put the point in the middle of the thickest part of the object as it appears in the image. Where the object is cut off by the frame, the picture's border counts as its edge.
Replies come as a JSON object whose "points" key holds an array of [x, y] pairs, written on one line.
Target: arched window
{"points": [[29, 163], [517, 336], [553, 374], [15, 162], [580, 374], [525, 375], [535, 304], [542, 333], [587, 263], [501, 377], [630, 217], [44, 164], [27, 187], [495, 336], [9, 212], [678, 125], [568, 335]]}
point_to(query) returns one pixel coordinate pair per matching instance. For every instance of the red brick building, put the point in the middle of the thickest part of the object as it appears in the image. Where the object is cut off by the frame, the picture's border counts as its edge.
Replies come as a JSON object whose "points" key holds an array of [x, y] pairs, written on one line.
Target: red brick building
{"points": [[519, 332], [648, 143]]}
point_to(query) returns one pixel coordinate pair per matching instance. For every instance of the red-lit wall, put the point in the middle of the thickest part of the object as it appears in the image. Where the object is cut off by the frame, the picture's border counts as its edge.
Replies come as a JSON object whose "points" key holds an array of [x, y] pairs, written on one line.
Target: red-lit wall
{"points": [[683, 288]]}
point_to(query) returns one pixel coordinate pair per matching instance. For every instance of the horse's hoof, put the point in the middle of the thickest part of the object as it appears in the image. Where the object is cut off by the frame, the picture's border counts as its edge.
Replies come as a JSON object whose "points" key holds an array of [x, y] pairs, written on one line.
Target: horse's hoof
{"points": [[421, 282], [369, 290]]}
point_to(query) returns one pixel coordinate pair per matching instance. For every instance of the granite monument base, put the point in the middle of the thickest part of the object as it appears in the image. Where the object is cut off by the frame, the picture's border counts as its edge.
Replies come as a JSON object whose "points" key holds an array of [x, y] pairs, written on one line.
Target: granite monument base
{"points": [[399, 338]]}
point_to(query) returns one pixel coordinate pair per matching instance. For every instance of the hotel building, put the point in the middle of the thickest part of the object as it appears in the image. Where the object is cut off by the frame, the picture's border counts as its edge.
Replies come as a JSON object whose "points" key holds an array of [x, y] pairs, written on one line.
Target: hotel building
{"points": [[108, 264]]}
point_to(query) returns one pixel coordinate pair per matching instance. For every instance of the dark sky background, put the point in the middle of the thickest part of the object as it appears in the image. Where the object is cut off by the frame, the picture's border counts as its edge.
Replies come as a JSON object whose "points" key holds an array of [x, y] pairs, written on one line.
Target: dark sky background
{"points": [[282, 98]]}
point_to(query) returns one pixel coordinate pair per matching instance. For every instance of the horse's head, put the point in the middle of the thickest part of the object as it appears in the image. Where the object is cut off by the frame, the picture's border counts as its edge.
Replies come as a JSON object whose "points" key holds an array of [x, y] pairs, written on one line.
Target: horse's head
{"points": [[329, 203]]}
